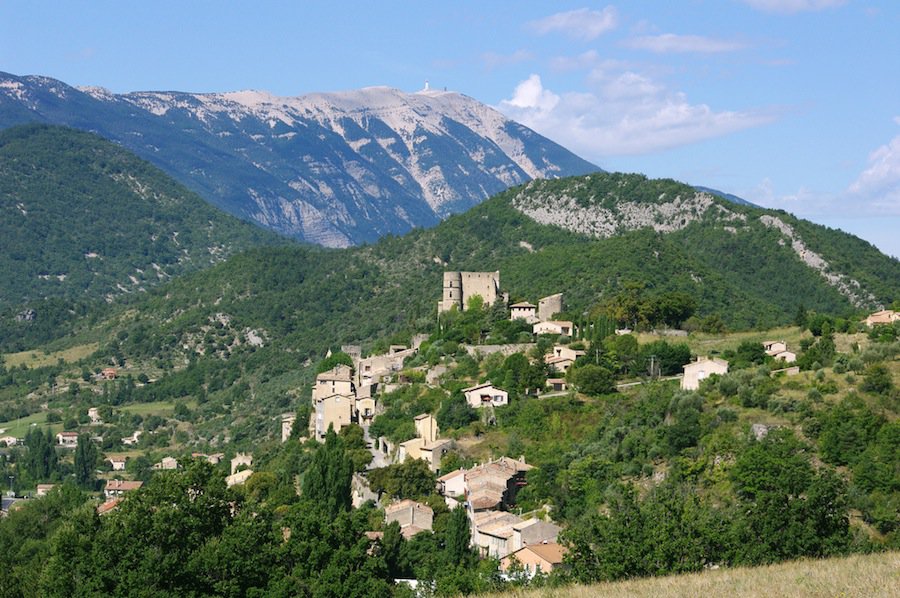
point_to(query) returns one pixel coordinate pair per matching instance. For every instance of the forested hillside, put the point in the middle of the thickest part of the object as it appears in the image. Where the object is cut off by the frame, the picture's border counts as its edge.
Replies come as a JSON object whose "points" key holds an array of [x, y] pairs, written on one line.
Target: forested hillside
{"points": [[644, 478], [84, 220]]}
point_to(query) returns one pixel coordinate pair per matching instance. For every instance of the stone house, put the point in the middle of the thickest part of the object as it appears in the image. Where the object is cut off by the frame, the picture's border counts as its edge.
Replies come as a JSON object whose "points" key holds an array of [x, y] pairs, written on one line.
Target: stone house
{"points": [[494, 485], [94, 416], [116, 488], [560, 365], [43, 489], [566, 352], [166, 464], [375, 368], [335, 411], [563, 327], [537, 558], [67, 439], [117, 462], [484, 395], [557, 384], [534, 531], [287, 425], [109, 374], [133, 439], [885, 316], [452, 484], [238, 478], [492, 532], [549, 306], [336, 381], [774, 347], [523, 311], [697, 371], [241, 460], [413, 517]]}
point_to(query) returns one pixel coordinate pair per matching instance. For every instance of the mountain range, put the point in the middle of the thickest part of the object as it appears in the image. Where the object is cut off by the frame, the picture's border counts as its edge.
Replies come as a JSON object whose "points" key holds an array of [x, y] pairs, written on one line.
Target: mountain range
{"points": [[335, 169]]}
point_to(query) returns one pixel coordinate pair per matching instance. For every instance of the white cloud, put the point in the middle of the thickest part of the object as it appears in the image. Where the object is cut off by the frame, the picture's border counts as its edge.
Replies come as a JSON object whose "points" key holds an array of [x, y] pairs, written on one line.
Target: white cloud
{"points": [[877, 188], [793, 6], [669, 43], [493, 60], [531, 95], [582, 24], [624, 112]]}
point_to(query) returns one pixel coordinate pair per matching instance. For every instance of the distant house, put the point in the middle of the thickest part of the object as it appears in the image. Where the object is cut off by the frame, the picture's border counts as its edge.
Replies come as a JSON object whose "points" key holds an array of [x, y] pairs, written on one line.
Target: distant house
{"points": [[118, 463], [774, 347], [565, 351], [241, 460], [116, 488], [109, 374], [523, 311], [779, 351], [885, 316], [9, 440], [336, 381], [335, 411], [374, 368], [238, 478], [166, 464], [786, 356], [287, 425], [412, 516], [426, 445], [94, 416], [484, 395], [536, 558], [213, 459], [557, 384], [43, 489], [559, 364], [494, 484], [133, 439], [365, 410], [554, 327], [109, 506], [67, 439], [697, 371], [452, 484]]}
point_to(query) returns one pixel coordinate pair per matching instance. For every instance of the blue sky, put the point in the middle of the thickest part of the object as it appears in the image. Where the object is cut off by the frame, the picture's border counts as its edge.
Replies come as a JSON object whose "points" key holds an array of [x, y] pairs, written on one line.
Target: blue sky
{"points": [[792, 104]]}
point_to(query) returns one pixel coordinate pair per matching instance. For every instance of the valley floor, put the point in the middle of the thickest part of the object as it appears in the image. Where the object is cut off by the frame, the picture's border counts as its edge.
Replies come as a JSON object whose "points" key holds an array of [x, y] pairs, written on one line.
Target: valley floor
{"points": [[873, 575]]}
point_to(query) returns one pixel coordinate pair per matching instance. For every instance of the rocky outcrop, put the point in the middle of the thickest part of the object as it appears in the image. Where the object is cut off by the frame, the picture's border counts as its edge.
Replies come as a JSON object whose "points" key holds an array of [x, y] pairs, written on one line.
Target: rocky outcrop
{"points": [[846, 286]]}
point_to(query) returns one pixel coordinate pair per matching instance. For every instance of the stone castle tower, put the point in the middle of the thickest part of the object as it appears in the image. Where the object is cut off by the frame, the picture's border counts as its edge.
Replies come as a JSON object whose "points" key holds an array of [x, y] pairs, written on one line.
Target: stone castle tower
{"points": [[459, 287]]}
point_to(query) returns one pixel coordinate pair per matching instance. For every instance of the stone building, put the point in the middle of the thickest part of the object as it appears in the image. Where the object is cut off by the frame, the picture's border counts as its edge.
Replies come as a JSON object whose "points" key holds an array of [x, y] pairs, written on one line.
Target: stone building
{"points": [[549, 306], [459, 287]]}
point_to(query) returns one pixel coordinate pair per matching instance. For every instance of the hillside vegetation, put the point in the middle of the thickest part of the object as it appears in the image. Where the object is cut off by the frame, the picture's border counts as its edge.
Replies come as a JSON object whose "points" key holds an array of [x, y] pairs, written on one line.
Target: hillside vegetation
{"points": [[84, 220], [644, 478]]}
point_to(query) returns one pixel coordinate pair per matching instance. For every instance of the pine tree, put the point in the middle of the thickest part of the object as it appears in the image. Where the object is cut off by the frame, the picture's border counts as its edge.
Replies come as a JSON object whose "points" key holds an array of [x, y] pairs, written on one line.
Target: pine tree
{"points": [[327, 482], [85, 461], [456, 537]]}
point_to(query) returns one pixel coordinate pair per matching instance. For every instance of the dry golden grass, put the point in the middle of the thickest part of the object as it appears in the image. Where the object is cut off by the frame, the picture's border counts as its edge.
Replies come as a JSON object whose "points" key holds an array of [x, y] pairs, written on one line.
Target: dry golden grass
{"points": [[862, 576], [36, 359]]}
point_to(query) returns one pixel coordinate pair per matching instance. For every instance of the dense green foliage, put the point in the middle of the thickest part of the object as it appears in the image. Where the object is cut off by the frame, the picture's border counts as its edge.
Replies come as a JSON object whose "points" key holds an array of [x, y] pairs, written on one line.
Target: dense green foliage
{"points": [[84, 219]]}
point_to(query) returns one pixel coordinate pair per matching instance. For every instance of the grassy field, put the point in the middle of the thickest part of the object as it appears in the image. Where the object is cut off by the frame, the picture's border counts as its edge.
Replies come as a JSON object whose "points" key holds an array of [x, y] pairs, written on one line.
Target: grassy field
{"points": [[712, 344], [20, 427], [34, 359], [145, 409], [875, 576]]}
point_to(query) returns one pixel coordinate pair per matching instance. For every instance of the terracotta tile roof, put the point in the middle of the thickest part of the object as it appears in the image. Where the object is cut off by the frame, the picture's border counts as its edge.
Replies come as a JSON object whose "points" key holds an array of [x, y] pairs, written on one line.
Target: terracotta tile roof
{"points": [[550, 552]]}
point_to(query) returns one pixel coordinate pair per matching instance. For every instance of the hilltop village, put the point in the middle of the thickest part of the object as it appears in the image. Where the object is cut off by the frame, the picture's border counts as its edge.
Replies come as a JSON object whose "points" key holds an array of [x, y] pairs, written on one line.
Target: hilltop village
{"points": [[424, 426]]}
